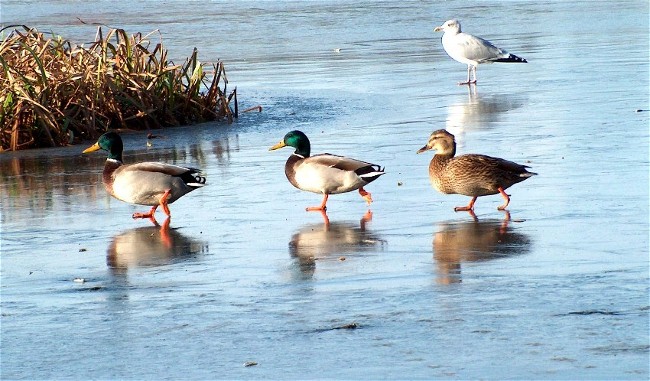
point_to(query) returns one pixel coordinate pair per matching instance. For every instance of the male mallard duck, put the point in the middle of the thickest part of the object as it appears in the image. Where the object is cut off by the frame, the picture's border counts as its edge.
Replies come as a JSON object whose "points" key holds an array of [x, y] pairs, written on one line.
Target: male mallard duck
{"points": [[470, 175], [471, 50], [325, 173], [147, 183]]}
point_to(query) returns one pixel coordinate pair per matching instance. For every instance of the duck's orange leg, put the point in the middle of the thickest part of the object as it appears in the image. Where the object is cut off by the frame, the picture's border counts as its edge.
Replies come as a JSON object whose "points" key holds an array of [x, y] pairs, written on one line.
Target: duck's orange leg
{"points": [[164, 234], [146, 215], [326, 219], [163, 202], [506, 197], [366, 195], [504, 225], [322, 206], [367, 217], [467, 208]]}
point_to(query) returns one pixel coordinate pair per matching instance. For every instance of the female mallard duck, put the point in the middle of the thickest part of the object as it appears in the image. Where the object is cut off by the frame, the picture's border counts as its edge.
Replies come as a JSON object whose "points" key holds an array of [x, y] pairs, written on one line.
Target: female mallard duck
{"points": [[470, 175], [147, 183], [325, 173]]}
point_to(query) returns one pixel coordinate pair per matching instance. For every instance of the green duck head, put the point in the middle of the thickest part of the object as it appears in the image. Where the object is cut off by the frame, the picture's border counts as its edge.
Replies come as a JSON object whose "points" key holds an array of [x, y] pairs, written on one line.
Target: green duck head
{"points": [[110, 142], [296, 139]]}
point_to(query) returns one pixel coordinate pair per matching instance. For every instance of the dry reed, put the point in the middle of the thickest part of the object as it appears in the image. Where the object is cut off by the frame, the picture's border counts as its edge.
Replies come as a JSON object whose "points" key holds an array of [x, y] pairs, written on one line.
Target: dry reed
{"points": [[55, 93]]}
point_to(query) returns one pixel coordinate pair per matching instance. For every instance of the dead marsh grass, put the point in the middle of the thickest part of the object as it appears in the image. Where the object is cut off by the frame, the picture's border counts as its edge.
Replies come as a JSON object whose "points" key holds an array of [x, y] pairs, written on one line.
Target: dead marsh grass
{"points": [[55, 93]]}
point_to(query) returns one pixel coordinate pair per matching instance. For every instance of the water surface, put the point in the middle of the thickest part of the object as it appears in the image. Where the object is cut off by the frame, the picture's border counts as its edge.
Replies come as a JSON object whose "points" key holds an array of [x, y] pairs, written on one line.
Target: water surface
{"points": [[557, 289]]}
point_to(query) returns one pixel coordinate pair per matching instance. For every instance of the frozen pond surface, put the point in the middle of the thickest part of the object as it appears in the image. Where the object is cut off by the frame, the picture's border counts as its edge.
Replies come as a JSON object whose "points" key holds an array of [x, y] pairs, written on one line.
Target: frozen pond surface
{"points": [[559, 290]]}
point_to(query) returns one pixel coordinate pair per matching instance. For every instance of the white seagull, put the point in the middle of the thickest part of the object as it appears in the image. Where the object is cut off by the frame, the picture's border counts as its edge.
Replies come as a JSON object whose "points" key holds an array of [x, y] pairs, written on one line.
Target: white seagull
{"points": [[471, 50]]}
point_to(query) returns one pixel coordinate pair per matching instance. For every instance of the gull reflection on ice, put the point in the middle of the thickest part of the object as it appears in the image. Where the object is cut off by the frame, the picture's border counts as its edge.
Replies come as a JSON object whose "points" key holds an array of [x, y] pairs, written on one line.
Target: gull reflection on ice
{"points": [[474, 112], [456, 243]]}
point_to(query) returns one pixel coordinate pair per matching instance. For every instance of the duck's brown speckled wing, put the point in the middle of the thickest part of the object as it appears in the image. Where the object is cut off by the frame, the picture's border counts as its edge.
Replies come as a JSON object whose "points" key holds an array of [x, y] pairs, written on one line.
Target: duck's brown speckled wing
{"points": [[477, 175]]}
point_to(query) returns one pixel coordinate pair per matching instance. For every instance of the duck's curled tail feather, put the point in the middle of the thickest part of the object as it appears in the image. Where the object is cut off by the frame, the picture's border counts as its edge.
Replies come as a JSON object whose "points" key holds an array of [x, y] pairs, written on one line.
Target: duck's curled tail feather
{"points": [[192, 179], [370, 173]]}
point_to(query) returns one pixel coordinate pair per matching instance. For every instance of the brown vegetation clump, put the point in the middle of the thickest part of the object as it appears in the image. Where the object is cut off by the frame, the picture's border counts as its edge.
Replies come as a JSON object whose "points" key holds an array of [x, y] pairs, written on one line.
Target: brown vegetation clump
{"points": [[53, 93]]}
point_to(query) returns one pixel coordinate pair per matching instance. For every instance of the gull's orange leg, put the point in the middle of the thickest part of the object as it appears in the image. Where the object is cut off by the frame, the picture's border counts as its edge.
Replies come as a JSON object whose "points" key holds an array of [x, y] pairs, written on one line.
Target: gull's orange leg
{"points": [[470, 68], [322, 206], [366, 195], [506, 197], [467, 208], [147, 215]]}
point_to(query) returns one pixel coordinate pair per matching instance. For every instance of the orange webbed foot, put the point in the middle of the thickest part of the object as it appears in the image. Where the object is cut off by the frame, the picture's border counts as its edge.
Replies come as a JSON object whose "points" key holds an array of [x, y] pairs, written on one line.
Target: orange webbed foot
{"points": [[468, 208], [366, 195], [321, 208], [149, 215]]}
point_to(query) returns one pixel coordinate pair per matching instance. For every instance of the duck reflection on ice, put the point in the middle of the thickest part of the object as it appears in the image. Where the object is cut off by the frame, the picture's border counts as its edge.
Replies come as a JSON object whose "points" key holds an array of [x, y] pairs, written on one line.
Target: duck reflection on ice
{"points": [[316, 242], [474, 241], [151, 246]]}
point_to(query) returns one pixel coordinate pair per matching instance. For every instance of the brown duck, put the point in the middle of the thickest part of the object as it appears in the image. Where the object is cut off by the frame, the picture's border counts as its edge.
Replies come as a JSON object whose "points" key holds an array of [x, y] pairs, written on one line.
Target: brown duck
{"points": [[470, 175]]}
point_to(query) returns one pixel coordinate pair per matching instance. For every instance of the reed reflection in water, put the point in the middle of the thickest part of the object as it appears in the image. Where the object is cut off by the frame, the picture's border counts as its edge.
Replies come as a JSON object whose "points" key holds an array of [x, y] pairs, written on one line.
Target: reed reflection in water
{"points": [[331, 240], [456, 243], [33, 184], [151, 246]]}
